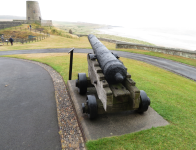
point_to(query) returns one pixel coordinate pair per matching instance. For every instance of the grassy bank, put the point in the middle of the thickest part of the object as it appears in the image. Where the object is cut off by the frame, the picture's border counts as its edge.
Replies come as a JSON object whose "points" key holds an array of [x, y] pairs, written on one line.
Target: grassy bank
{"points": [[82, 28], [124, 39], [54, 42], [180, 59], [35, 30], [172, 96], [78, 27], [60, 40]]}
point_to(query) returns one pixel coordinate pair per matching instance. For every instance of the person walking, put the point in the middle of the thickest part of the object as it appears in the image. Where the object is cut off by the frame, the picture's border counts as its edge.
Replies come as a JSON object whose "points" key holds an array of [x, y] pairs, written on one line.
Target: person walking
{"points": [[11, 40], [2, 39], [30, 27]]}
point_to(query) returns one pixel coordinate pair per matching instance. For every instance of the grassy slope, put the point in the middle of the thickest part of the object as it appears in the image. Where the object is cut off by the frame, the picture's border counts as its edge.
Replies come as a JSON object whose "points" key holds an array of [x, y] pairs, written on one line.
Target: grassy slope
{"points": [[184, 60], [55, 42], [172, 96], [78, 28], [87, 28], [64, 41], [124, 39]]}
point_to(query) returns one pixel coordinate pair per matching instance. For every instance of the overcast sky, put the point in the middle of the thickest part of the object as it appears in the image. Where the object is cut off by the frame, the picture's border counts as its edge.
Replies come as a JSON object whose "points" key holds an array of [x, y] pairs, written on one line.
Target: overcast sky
{"points": [[145, 13]]}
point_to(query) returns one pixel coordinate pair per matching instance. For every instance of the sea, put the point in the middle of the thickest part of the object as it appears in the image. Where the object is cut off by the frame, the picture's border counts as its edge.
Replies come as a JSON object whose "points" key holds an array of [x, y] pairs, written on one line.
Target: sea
{"points": [[182, 38]]}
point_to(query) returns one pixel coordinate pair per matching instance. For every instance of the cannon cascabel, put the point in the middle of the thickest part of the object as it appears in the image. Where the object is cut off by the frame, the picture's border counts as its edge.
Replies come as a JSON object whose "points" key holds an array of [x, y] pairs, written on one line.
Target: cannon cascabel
{"points": [[113, 70]]}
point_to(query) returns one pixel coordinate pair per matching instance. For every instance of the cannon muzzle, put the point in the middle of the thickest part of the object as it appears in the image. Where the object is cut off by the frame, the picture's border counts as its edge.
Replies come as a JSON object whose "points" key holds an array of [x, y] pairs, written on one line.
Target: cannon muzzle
{"points": [[113, 70]]}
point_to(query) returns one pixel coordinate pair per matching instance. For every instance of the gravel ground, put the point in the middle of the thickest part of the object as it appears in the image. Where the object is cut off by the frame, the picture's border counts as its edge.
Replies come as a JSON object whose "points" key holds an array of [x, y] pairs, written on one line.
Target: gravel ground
{"points": [[69, 130]]}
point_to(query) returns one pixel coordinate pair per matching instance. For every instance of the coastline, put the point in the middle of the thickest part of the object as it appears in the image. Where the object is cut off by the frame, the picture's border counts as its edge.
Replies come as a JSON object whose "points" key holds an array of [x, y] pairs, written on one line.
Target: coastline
{"points": [[166, 37]]}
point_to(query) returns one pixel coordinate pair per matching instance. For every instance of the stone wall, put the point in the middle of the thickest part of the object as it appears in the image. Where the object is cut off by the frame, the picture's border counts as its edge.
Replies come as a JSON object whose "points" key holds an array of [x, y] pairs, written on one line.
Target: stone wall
{"points": [[28, 21], [165, 50], [41, 22], [46, 22], [8, 24]]}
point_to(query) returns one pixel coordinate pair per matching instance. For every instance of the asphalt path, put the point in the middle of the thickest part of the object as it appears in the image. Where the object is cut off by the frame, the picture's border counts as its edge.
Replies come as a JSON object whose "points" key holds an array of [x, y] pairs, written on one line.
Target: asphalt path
{"points": [[28, 117], [178, 68]]}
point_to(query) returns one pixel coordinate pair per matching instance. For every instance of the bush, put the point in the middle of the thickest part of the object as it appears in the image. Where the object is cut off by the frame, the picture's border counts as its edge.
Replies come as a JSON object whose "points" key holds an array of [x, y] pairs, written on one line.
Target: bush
{"points": [[70, 31], [53, 31]]}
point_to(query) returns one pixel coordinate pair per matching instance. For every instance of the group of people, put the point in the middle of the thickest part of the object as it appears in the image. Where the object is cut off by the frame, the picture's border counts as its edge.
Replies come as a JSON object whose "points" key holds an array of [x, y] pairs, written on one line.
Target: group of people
{"points": [[11, 40], [29, 26]]}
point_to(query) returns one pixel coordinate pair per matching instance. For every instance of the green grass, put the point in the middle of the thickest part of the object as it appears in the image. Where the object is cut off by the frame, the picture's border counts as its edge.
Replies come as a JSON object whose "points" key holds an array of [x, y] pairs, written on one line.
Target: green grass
{"points": [[180, 59], [124, 39], [22, 31], [59, 62], [60, 40], [78, 28], [54, 42], [88, 28], [172, 96]]}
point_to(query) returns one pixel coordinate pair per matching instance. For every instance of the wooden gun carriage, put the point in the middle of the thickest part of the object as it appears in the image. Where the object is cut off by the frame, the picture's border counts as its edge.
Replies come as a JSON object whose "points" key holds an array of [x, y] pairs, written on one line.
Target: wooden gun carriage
{"points": [[115, 89]]}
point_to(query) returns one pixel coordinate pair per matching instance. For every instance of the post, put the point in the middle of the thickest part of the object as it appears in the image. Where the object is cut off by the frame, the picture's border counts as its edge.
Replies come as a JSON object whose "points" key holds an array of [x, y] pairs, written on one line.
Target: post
{"points": [[71, 62]]}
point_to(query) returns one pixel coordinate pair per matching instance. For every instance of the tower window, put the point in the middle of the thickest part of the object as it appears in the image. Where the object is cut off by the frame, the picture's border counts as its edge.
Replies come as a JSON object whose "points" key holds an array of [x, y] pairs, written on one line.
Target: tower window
{"points": [[28, 18], [28, 5], [34, 11]]}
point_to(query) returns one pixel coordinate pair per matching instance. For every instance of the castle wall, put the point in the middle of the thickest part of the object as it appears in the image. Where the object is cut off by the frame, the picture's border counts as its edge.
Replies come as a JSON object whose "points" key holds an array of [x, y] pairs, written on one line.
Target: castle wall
{"points": [[8, 24], [28, 21], [33, 11], [46, 22]]}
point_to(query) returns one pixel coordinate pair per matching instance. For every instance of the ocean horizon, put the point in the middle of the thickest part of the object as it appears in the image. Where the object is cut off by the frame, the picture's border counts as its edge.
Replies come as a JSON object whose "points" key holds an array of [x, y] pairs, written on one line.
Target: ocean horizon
{"points": [[166, 37]]}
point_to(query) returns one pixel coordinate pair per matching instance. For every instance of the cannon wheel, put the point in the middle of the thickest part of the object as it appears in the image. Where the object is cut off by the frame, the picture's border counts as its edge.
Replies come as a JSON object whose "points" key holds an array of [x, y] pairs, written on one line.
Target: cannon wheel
{"points": [[92, 106], [82, 89], [145, 102]]}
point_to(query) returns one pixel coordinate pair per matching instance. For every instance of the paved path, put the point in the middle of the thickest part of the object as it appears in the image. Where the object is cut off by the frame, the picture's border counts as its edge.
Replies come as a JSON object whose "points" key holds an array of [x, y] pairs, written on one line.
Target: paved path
{"points": [[178, 68], [28, 118]]}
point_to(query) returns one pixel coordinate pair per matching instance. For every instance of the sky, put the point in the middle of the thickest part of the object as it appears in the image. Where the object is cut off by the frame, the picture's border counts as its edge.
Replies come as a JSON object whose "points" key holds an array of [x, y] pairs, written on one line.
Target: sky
{"points": [[134, 13]]}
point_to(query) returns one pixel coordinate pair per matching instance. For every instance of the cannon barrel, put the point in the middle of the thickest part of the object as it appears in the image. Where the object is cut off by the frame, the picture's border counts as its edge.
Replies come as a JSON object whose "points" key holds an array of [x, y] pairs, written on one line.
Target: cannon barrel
{"points": [[113, 70]]}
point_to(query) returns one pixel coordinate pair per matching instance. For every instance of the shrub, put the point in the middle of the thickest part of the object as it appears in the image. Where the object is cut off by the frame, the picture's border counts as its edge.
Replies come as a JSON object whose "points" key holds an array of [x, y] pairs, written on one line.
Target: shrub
{"points": [[70, 31]]}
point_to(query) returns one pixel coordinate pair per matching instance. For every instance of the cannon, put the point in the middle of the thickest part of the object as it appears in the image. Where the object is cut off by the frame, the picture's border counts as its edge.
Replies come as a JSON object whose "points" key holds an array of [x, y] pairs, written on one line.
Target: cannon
{"points": [[116, 91]]}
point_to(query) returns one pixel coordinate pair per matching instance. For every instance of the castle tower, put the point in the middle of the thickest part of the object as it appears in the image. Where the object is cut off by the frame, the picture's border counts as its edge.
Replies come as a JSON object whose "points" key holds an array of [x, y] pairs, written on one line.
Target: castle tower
{"points": [[33, 10]]}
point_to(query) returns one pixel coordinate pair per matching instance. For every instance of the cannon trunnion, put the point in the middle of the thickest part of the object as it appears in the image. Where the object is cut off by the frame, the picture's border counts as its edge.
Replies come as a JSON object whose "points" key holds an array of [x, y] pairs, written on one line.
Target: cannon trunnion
{"points": [[116, 91]]}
